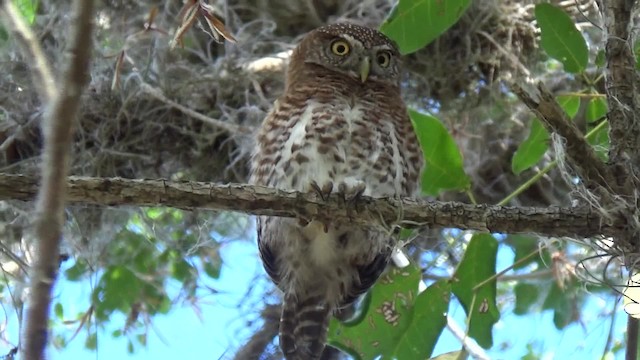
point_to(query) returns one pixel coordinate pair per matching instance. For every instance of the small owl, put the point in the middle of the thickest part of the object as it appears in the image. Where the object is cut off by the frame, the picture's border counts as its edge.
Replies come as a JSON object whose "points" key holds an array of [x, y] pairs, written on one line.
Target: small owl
{"points": [[340, 126]]}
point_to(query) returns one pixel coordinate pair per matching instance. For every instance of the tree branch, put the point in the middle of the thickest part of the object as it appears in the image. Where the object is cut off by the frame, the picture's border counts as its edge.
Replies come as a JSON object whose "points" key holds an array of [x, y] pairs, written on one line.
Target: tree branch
{"points": [[256, 345], [622, 86], [57, 128], [592, 170], [258, 200]]}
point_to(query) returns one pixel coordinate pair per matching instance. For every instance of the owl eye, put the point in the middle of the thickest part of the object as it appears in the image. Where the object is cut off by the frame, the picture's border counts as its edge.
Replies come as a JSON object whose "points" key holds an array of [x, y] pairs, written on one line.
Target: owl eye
{"points": [[340, 47], [383, 58]]}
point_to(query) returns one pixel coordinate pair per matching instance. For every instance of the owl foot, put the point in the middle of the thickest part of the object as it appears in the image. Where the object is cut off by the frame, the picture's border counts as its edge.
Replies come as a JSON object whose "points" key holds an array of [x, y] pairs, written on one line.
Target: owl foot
{"points": [[323, 191], [351, 192]]}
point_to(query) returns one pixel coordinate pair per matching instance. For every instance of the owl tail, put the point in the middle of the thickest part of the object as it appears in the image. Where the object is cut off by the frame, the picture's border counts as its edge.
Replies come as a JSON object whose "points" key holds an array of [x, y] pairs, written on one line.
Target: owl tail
{"points": [[303, 327]]}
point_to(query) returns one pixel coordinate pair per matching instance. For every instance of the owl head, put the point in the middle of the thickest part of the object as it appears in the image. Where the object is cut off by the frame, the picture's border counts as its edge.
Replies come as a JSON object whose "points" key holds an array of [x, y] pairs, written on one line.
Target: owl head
{"points": [[354, 51]]}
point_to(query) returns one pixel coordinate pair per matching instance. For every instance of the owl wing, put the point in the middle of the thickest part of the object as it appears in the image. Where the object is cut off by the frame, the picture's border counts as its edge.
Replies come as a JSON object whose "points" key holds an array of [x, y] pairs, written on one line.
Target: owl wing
{"points": [[269, 260], [367, 275]]}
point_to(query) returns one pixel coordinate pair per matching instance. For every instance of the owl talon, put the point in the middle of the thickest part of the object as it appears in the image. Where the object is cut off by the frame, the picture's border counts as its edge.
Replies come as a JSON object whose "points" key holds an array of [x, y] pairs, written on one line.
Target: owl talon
{"points": [[325, 191], [352, 192]]}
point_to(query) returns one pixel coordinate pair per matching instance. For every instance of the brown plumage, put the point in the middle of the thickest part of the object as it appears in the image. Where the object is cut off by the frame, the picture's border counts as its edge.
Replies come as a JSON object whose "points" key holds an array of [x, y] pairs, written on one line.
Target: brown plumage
{"points": [[341, 126]]}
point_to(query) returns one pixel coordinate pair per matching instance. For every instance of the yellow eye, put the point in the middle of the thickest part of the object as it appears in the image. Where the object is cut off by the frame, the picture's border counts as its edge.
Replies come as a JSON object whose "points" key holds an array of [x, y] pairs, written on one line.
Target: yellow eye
{"points": [[383, 58], [340, 47]]}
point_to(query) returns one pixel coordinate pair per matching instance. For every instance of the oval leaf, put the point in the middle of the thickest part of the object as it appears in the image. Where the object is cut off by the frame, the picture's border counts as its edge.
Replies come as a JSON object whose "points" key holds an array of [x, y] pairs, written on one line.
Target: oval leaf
{"points": [[478, 265], [415, 23], [389, 316], [428, 320], [531, 150], [444, 170], [560, 38]]}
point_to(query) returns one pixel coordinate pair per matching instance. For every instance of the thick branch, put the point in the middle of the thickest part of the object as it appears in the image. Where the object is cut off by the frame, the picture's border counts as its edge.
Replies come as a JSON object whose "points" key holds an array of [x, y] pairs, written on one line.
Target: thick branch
{"points": [[57, 128], [622, 86], [257, 200], [261, 339], [582, 156]]}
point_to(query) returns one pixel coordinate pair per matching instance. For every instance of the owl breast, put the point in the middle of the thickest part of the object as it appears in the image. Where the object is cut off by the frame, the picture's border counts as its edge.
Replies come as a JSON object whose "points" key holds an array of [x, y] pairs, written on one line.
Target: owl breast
{"points": [[340, 142]]}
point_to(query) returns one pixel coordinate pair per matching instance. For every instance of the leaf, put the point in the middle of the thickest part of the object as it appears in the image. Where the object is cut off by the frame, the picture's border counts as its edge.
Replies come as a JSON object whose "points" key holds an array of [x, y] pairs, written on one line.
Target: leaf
{"points": [[27, 9], [444, 170], [560, 38], [58, 310], [570, 104], [532, 149], [561, 302], [428, 321], [523, 246], [413, 24], [478, 265], [596, 109], [75, 272], [389, 314], [91, 342], [600, 142], [526, 295]]}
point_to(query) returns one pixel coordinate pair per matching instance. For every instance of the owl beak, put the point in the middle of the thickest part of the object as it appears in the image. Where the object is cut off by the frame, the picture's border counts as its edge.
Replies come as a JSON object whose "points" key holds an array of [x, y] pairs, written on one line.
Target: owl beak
{"points": [[365, 66]]}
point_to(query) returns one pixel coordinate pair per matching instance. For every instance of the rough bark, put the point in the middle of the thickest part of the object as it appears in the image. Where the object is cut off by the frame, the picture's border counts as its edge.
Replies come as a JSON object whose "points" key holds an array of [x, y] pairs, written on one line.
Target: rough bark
{"points": [[257, 200]]}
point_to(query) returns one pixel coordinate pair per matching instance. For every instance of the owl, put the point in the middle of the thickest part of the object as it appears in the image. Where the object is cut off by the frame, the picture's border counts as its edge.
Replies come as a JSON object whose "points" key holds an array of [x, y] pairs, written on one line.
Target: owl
{"points": [[340, 126]]}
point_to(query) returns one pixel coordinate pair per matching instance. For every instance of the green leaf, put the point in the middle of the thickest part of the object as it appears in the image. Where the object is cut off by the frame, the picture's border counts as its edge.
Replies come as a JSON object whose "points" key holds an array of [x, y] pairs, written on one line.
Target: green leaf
{"points": [[75, 272], [601, 59], [532, 149], [526, 295], [413, 24], [28, 9], [523, 246], [560, 38], [596, 109], [600, 142], [388, 317], [155, 212], [428, 320], [91, 342], [560, 301], [58, 310], [444, 170], [570, 104], [477, 266]]}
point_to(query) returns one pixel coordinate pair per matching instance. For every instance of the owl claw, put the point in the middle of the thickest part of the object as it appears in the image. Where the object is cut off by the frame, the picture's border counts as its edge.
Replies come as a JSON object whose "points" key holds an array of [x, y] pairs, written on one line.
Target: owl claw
{"points": [[351, 194], [323, 191]]}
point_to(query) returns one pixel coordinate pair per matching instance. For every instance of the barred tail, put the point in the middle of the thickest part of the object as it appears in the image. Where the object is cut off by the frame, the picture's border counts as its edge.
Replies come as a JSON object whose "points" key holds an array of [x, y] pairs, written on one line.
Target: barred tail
{"points": [[303, 327]]}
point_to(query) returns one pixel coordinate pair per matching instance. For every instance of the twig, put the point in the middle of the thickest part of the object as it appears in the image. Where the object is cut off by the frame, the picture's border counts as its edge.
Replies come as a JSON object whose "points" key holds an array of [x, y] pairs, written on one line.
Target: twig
{"points": [[57, 128], [33, 54], [469, 344], [592, 170], [552, 221], [227, 126]]}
